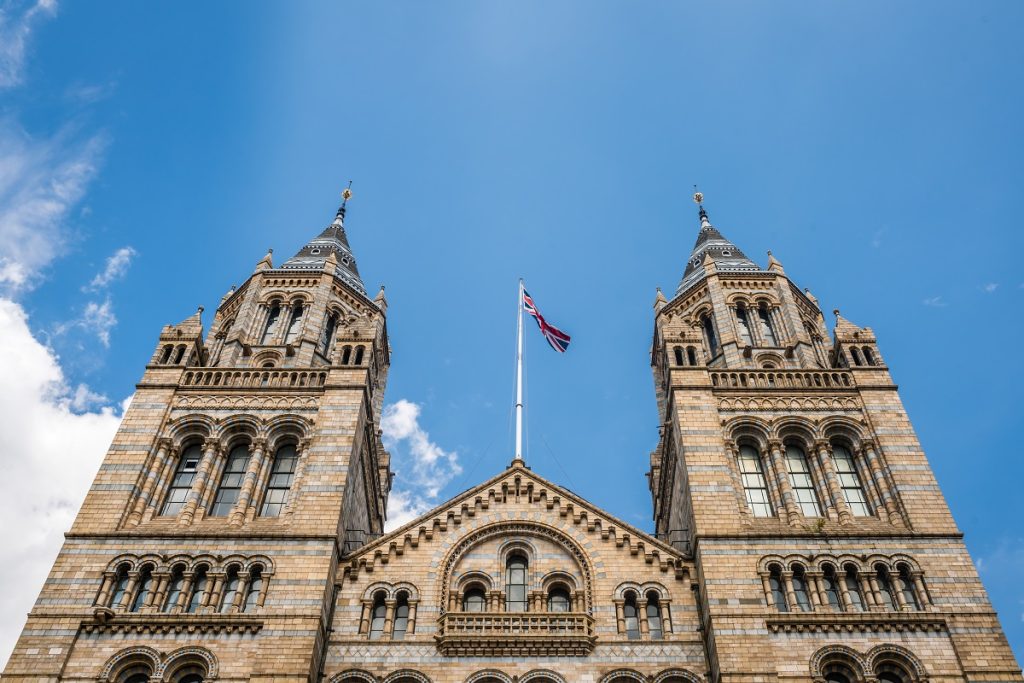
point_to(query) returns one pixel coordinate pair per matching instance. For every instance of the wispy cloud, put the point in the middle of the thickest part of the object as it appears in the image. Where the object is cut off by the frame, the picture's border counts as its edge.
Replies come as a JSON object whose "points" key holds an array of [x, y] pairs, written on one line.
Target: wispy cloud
{"points": [[17, 20], [116, 267], [96, 319], [424, 467], [934, 302], [876, 239], [991, 287], [40, 181]]}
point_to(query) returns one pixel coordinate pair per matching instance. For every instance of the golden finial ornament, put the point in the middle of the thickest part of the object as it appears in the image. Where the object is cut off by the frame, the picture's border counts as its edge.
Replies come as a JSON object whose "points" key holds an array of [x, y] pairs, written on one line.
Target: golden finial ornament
{"points": [[346, 194], [698, 198]]}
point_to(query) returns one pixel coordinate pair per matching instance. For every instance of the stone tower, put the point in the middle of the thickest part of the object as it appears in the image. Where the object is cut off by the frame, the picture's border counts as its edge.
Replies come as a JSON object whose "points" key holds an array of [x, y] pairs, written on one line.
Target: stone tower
{"points": [[788, 468], [208, 544]]}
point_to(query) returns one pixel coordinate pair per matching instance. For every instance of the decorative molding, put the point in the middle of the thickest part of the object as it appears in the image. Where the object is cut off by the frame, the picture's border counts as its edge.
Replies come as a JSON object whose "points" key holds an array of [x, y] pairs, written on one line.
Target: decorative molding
{"points": [[752, 404], [860, 622], [175, 623], [246, 402]]}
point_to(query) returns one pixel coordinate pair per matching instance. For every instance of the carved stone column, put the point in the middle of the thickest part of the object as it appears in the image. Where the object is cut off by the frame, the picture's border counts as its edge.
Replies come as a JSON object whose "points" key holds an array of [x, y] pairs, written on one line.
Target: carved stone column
{"points": [[879, 477], [364, 618], [186, 593], [787, 581], [129, 591], [813, 580], [666, 619], [641, 616], [766, 585], [245, 495], [149, 484], [103, 597], [835, 489], [922, 594], [785, 486], [210, 453], [212, 597], [155, 599], [620, 618], [389, 617], [411, 626]]}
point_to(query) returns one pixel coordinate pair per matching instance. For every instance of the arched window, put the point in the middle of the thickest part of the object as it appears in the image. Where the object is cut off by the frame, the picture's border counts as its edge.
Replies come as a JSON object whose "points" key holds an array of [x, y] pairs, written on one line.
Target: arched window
{"points": [[327, 338], [231, 481], [855, 354], [143, 589], [474, 600], [906, 585], [743, 325], [890, 673], [849, 480], [630, 616], [180, 355], [831, 585], [181, 484], [120, 587], [295, 325], [777, 589], [139, 677], [803, 601], [679, 355], [852, 581], [709, 334], [280, 482], [885, 587], [754, 485], [801, 481], [231, 585], [190, 678], [270, 329], [377, 617], [835, 672], [401, 618], [691, 355], [869, 357], [767, 331], [359, 356], [558, 600], [166, 354], [199, 584], [515, 584], [252, 595], [346, 355], [174, 588], [654, 616]]}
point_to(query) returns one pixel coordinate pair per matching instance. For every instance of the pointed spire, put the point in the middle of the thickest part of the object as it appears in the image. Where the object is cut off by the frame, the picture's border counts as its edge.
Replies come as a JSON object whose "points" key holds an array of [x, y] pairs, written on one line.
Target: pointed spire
{"points": [[267, 261], [193, 324], [380, 300], [331, 244], [659, 300], [844, 327], [710, 243], [773, 264]]}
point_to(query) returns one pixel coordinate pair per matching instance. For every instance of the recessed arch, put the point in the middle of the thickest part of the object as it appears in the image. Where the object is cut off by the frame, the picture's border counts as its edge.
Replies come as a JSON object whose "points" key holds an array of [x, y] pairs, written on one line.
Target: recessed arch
{"points": [[623, 675], [541, 676], [195, 658], [834, 656], [128, 658], [489, 676], [677, 676], [354, 675], [406, 676], [880, 655]]}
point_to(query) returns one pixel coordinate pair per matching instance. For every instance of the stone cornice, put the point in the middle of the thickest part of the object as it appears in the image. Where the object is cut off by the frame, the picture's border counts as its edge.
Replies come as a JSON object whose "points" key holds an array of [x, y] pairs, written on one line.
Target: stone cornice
{"points": [[860, 622]]}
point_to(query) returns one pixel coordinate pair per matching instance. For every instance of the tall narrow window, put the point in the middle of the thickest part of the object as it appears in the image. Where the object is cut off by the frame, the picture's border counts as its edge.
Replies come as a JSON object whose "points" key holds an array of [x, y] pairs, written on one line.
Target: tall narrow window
{"points": [[709, 333], [558, 600], [281, 475], [831, 586], [474, 600], [327, 338], [906, 585], [691, 355], [849, 480], [295, 325], [143, 589], [346, 355], [401, 618], [801, 481], [270, 329], [167, 354], [227, 601], [231, 481], [754, 486], [174, 589], [252, 595], [767, 331], [777, 589], [679, 355], [629, 613], [800, 589], [742, 324], [515, 584], [181, 484], [885, 587], [855, 354], [358, 360], [199, 583], [120, 587], [869, 357], [852, 581], [654, 616], [377, 617]]}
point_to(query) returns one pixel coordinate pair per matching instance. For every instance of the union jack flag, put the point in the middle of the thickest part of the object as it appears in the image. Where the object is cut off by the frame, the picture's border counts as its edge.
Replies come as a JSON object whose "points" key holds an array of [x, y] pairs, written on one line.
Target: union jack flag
{"points": [[559, 340]]}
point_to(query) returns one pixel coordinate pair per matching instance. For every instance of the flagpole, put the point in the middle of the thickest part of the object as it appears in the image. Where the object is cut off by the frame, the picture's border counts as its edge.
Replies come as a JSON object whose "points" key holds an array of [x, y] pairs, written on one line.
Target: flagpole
{"points": [[519, 380]]}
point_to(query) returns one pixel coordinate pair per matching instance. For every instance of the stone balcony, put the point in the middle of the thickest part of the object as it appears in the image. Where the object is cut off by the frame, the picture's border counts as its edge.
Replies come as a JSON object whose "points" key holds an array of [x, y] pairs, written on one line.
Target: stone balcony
{"points": [[521, 634]]}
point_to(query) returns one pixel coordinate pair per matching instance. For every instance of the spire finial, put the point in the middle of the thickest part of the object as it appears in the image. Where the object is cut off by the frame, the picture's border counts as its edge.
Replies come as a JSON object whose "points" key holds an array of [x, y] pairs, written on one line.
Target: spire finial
{"points": [[698, 199], [346, 195]]}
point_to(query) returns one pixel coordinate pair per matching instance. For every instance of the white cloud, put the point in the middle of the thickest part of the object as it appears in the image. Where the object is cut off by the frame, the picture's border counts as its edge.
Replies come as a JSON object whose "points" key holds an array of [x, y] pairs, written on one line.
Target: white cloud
{"points": [[15, 28], [53, 442], [934, 302], [97, 319], [991, 287], [40, 181], [424, 467], [116, 267]]}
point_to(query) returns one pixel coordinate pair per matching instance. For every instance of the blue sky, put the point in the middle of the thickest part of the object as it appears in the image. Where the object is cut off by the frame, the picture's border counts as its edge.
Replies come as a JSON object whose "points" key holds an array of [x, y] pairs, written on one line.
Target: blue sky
{"points": [[149, 155]]}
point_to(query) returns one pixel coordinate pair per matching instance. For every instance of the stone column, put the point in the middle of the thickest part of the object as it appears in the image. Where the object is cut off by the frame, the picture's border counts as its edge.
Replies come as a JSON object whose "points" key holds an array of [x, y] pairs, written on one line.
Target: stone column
{"points": [[620, 618], [155, 599], [641, 615], [212, 596], [767, 587], [897, 593], [154, 473], [129, 592], [813, 580], [243, 590], [411, 627], [828, 466], [210, 453], [666, 619], [867, 482], [245, 495], [922, 594], [364, 618], [879, 477], [785, 486], [787, 581], [876, 593], [389, 617], [737, 481], [300, 468], [103, 597], [818, 478], [186, 593]]}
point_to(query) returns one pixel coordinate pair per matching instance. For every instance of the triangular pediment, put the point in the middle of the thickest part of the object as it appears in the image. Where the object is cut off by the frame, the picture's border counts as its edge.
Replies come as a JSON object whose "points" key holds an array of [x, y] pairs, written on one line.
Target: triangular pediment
{"points": [[502, 498]]}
